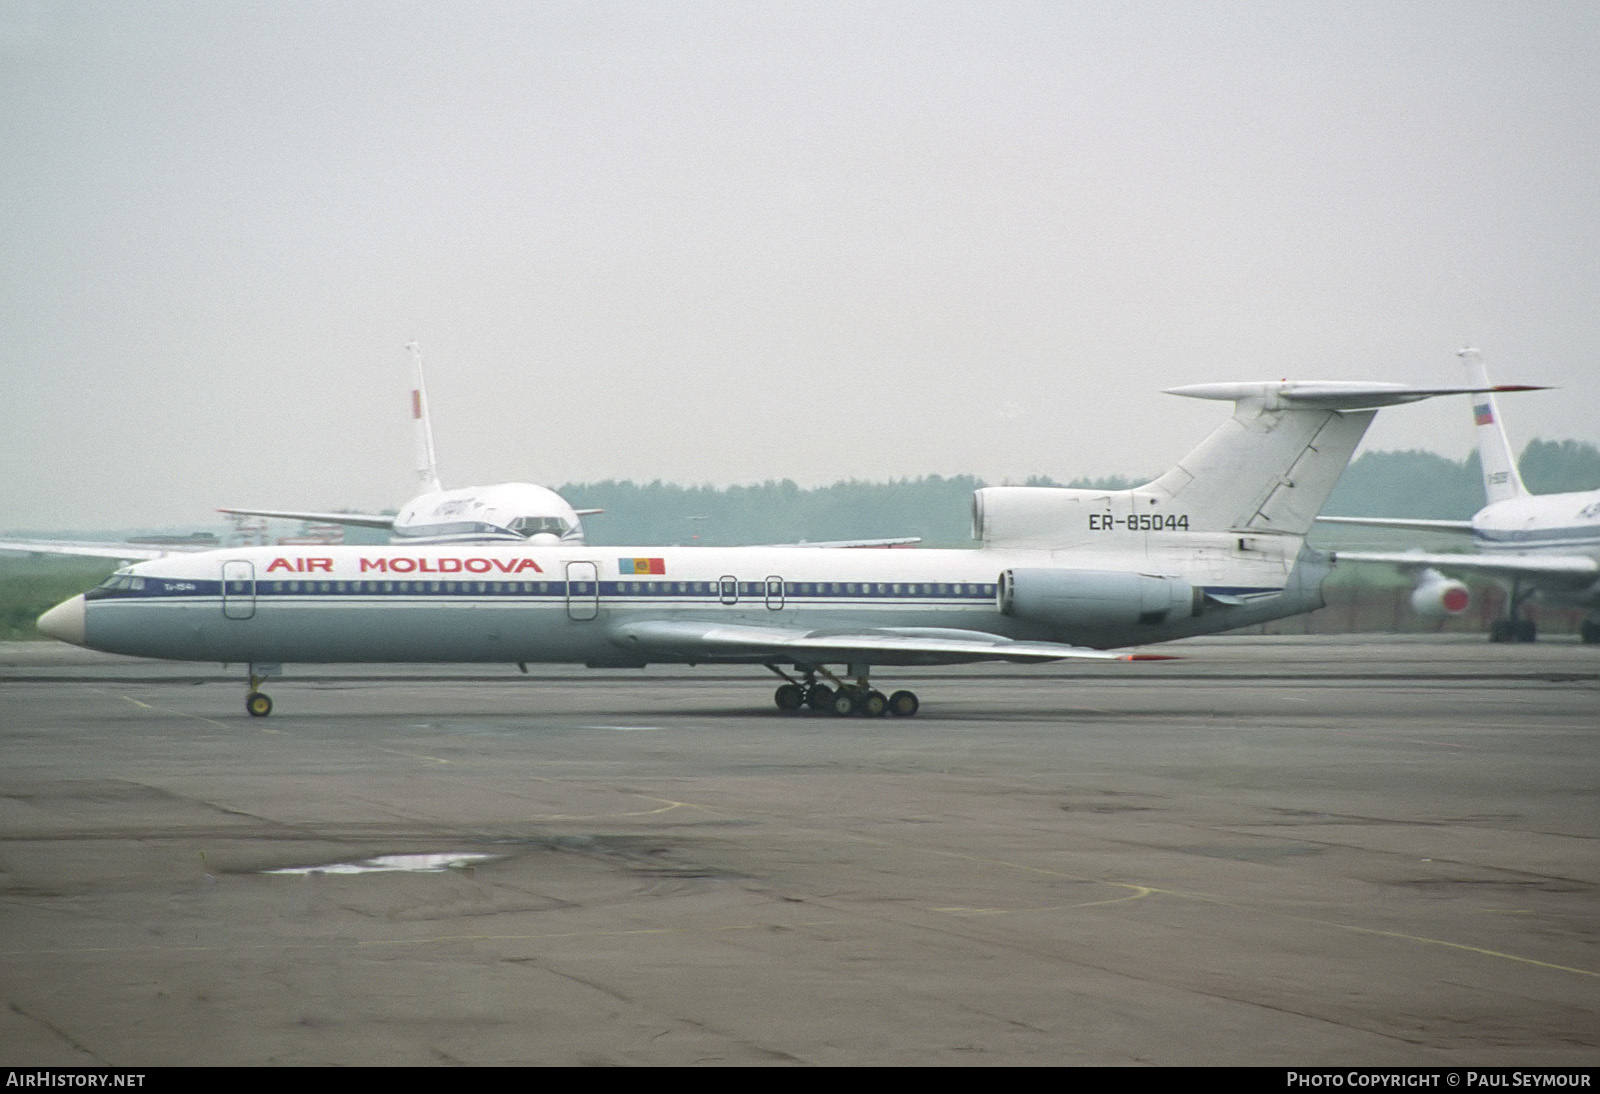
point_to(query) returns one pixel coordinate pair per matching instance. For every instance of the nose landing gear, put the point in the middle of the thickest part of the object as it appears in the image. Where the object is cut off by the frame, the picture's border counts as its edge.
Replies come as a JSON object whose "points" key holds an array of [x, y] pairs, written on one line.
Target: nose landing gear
{"points": [[256, 702]]}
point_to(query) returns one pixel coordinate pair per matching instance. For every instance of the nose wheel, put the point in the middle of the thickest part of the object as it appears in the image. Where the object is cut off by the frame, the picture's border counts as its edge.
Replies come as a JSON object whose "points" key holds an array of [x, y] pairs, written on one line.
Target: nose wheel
{"points": [[256, 702]]}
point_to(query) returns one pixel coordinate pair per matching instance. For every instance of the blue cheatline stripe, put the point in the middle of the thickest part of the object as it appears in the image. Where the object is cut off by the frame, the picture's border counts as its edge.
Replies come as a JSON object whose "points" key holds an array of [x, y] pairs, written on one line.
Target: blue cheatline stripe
{"points": [[813, 591], [805, 591], [1582, 535], [459, 528]]}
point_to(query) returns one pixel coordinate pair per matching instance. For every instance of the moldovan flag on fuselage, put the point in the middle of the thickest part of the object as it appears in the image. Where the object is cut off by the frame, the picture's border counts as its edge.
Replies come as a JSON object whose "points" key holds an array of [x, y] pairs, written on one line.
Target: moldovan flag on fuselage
{"points": [[641, 565]]}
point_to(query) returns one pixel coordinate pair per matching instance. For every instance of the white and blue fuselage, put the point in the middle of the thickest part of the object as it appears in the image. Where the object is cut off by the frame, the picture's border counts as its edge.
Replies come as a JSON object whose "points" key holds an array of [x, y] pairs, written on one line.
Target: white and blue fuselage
{"points": [[573, 604], [1216, 542]]}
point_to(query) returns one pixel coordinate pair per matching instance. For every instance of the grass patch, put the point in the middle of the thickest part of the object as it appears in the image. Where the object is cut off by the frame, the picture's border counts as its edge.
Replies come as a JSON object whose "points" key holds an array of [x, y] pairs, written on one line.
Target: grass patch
{"points": [[31, 586]]}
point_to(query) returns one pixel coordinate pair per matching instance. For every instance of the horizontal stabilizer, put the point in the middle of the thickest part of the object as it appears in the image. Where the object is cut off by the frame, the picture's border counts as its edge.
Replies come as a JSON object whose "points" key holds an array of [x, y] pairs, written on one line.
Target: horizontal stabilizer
{"points": [[1329, 394], [1578, 568], [902, 541]]}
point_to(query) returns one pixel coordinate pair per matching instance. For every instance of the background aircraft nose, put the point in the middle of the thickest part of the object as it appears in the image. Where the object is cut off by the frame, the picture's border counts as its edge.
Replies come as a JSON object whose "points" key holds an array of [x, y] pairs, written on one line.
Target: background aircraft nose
{"points": [[64, 621]]}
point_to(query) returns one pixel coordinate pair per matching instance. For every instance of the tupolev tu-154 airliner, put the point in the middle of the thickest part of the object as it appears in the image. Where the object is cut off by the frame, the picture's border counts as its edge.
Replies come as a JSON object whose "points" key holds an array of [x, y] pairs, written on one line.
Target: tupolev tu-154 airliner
{"points": [[1215, 543]]}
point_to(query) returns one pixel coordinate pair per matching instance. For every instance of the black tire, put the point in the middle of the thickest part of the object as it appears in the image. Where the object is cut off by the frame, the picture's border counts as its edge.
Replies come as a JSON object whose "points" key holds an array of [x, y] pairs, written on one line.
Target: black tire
{"points": [[1527, 631], [1502, 630], [257, 704], [844, 704], [874, 704], [1590, 633], [903, 704], [788, 697], [819, 697]]}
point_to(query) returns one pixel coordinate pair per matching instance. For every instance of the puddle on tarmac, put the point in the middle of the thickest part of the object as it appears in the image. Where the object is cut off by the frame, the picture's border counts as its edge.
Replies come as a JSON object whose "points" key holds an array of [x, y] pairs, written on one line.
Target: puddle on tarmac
{"points": [[388, 864]]}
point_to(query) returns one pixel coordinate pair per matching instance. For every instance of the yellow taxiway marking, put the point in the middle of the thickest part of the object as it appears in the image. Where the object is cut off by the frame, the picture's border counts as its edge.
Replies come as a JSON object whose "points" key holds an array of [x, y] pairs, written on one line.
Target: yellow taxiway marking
{"points": [[667, 806], [427, 940], [186, 714], [1140, 891], [412, 755]]}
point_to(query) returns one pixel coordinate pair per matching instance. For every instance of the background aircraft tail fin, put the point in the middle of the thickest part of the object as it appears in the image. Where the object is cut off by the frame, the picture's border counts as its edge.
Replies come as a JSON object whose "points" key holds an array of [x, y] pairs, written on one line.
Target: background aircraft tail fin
{"points": [[1501, 480], [427, 462]]}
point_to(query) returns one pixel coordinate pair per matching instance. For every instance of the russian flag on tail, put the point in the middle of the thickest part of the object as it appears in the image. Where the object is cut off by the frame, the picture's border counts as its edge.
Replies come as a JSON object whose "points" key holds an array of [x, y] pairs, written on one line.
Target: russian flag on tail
{"points": [[1482, 414]]}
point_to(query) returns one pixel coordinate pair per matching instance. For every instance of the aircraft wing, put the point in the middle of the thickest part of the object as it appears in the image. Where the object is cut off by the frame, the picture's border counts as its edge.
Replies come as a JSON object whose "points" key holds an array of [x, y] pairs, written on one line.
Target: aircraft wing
{"points": [[873, 645], [1410, 525], [902, 541], [1576, 570], [355, 520], [89, 549]]}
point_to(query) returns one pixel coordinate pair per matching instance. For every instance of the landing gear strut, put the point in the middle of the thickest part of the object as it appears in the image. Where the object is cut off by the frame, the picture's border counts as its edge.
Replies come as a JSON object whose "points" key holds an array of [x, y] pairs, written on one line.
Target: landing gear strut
{"points": [[1514, 628]]}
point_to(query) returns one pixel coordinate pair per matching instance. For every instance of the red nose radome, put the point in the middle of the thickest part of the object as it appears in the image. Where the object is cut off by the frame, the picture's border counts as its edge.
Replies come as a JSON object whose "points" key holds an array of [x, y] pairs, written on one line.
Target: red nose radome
{"points": [[64, 621]]}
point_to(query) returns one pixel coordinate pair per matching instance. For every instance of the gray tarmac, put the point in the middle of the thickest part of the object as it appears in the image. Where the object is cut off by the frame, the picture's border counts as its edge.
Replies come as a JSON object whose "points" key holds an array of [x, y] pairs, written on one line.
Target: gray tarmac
{"points": [[1284, 851]]}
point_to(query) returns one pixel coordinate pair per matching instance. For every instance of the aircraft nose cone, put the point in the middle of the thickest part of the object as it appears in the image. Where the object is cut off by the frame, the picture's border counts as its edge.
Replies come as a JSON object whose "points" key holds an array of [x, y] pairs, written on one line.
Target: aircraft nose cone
{"points": [[64, 621]]}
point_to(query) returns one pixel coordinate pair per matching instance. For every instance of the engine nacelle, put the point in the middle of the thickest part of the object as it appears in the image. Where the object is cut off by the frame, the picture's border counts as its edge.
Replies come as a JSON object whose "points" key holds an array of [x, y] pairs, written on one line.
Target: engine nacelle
{"points": [[1437, 596], [1070, 598], [1018, 515]]}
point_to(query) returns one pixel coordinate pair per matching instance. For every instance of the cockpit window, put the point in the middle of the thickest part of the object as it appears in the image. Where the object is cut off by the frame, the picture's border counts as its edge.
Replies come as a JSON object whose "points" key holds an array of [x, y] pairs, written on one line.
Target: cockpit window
{"points": [[532, 526]]}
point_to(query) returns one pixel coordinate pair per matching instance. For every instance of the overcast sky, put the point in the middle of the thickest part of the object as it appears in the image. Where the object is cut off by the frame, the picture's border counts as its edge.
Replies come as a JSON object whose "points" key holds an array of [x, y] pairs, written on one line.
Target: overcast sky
{"points": [[726, 242]]}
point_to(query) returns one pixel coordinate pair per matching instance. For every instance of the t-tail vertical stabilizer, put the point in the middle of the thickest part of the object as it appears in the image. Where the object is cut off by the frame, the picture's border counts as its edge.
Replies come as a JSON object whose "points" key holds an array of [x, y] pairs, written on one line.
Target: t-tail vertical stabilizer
{"points": [[1267, 469], [1264, 473], [1501, 479], [427, 462]]}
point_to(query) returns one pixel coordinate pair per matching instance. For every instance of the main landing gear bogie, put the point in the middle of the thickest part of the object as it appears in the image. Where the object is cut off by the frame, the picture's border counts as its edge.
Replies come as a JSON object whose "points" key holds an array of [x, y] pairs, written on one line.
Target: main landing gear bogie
{"points": [[848, 700], [868, 704], [1513, 630]]}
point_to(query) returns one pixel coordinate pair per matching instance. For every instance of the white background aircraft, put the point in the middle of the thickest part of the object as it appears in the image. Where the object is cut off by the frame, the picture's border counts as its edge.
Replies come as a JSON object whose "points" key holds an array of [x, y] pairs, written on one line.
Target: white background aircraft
{"points": [[511, 512], [1542, 545], [1215, 543]]}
